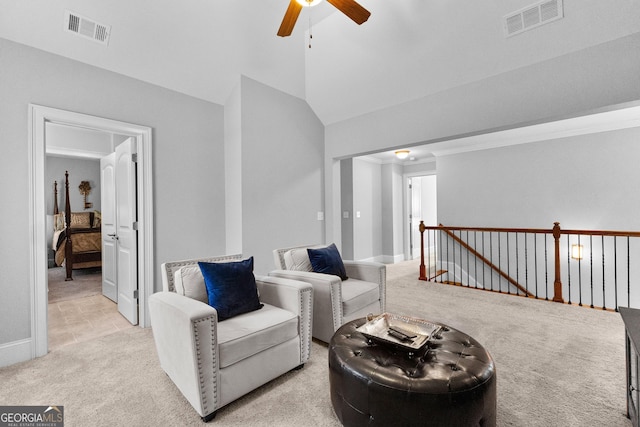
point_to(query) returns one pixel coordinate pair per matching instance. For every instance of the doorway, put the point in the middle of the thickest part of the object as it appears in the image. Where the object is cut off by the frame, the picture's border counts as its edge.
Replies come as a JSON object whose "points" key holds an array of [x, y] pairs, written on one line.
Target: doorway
{"points": [[39, 117], [82, 308], [423, 206]]}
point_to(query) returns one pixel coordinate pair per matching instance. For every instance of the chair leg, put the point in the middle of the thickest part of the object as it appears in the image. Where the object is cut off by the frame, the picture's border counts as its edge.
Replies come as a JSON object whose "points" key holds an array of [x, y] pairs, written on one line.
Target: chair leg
{"points": [[209, 417]]}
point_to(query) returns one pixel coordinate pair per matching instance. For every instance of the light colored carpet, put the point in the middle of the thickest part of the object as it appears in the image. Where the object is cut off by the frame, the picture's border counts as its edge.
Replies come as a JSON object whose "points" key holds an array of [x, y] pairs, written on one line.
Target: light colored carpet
{"points": [[557, 365], [86, 282]]}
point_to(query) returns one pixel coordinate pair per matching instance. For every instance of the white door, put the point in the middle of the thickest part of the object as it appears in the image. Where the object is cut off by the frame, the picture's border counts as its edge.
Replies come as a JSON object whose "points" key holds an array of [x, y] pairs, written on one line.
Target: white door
{"points": [[415, 191], [126, 234], [108, 203]]}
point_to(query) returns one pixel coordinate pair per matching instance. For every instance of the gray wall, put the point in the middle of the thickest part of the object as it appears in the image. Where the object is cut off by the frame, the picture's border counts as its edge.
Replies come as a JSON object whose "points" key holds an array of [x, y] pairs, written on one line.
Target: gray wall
{"points": [[589, 182], [79, 170], [568, 85], [188, 161], [282, 149], [346, 208], [367, 210]]}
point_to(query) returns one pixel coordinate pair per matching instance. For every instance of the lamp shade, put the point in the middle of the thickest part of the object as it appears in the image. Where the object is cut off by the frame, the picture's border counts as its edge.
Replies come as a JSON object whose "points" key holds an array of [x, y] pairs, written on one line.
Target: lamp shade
{"points": [[576, 251]]}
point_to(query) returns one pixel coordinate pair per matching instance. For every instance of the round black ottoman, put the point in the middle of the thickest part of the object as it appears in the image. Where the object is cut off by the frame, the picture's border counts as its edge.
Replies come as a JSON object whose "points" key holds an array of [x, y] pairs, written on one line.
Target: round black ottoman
{"points": [[451, 381]]}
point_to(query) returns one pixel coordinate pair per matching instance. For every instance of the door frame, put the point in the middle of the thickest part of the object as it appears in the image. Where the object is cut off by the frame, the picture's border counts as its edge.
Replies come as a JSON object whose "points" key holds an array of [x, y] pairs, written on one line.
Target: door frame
{"points": [[406, 178], [38, 117]]}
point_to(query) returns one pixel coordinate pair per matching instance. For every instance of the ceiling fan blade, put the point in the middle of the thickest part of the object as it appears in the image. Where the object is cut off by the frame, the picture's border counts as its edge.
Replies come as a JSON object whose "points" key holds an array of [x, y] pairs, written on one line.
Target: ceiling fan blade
{"points": [[352, 9], [290, 18]]}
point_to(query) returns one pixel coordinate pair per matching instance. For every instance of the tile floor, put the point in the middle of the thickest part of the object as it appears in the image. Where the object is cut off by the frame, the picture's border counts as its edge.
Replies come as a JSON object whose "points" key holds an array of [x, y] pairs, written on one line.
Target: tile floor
{"points": [[83, 319]]}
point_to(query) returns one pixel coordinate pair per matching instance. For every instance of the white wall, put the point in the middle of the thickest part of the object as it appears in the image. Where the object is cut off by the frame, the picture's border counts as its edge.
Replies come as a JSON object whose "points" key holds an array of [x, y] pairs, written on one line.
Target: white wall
{"points": [[76, 141], [188, 162]]}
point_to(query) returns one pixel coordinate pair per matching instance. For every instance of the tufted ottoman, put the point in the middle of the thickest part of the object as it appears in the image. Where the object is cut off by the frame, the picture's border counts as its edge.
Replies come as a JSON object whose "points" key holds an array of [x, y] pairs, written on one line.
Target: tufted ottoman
{"points": [[451, 381]]}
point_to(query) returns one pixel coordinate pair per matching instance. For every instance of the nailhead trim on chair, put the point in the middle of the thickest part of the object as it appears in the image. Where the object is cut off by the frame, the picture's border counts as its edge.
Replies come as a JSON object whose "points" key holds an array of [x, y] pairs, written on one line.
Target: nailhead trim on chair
{"points": [[383, 290], [336, 305], [305, 349], [205, 403]]}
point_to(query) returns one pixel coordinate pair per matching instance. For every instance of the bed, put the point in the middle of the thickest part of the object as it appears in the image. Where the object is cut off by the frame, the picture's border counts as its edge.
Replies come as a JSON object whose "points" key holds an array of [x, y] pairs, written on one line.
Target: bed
{"points": [[77, 237]]}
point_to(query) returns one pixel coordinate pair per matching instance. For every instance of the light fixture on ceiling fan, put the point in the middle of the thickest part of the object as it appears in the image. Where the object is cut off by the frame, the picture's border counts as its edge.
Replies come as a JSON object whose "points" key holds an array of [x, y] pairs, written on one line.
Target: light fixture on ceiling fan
{"points": [[351, 8]]}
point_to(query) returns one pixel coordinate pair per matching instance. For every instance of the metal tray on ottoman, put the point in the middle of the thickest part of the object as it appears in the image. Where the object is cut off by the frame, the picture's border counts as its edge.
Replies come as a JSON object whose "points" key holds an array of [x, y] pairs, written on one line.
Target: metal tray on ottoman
{"points": [[405, 332]]}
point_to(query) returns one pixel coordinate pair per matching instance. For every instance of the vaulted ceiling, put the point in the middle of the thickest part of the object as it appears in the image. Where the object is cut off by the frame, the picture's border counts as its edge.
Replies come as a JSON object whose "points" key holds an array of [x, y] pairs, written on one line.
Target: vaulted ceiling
{"points": [[406, 50]]}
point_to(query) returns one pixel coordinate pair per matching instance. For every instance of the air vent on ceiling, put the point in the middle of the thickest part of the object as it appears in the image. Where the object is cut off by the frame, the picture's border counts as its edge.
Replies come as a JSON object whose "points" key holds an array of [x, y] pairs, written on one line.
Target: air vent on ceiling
{"points": [[532, 16], [87, 28]]}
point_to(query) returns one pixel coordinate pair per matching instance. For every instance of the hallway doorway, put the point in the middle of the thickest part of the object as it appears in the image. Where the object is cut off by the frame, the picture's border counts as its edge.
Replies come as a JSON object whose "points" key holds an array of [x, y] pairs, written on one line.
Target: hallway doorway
{"points": [[423, 206]]}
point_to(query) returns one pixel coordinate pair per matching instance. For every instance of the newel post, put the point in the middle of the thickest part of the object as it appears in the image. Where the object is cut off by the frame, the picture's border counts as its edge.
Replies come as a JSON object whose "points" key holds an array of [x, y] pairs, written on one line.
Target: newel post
{"points": [[423, 272], [557, 283]]}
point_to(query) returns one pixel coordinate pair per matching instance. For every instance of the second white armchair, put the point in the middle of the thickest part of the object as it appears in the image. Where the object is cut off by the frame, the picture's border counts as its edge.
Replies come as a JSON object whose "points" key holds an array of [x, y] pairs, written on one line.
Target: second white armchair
{"points": [[335, 301]]}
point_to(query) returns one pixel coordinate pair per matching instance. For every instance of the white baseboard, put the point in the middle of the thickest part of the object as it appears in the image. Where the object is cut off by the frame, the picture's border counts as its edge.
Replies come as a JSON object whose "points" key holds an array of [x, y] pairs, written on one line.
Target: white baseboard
{"points": [[15, 351], [392, 259]]}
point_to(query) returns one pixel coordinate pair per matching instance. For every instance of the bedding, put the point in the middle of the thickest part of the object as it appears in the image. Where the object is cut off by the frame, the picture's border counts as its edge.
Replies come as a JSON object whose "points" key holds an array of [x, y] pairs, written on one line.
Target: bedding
{"points": [[77, 238], [83, 240]]}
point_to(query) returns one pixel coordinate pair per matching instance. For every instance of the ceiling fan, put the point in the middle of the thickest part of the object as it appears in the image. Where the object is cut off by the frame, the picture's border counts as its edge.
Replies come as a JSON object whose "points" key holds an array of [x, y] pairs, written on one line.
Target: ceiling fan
{"points": [[350, 8]]}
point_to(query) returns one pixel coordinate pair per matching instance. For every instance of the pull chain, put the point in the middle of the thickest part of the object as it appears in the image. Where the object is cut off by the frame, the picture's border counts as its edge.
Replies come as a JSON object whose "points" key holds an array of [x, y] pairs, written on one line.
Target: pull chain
{"points": [[310, 30]]}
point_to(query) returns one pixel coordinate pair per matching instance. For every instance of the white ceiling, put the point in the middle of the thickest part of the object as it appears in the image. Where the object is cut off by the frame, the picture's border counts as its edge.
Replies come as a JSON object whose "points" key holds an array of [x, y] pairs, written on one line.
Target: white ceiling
{"points": [[406, 50]]}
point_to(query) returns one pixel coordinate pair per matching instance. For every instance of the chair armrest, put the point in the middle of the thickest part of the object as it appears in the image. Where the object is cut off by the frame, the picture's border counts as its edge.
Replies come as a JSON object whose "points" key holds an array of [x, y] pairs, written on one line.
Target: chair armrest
{"points": [[294, 296], [373, 272], [185, 333], [327, 293]]}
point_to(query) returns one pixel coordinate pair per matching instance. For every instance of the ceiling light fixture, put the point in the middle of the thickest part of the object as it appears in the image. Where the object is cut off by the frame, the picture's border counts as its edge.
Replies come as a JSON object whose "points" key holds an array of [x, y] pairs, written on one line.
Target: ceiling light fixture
{"points": [[402, 154]]}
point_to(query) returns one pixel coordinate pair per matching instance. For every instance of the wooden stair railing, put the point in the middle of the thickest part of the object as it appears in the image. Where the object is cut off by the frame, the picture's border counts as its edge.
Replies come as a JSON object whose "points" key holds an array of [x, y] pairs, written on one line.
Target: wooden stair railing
{"points": [[556, 232], [487, 262]]}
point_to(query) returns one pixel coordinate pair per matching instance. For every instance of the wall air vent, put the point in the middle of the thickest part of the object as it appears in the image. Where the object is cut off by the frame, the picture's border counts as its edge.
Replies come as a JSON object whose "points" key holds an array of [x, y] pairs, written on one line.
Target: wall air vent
{"points": [[532, 16], [87, 28]]}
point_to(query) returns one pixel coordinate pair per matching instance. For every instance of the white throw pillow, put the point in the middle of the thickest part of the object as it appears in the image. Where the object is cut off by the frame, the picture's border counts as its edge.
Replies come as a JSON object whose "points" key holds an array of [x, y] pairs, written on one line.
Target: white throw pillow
{"points": [[297, 259], [189, 282]]}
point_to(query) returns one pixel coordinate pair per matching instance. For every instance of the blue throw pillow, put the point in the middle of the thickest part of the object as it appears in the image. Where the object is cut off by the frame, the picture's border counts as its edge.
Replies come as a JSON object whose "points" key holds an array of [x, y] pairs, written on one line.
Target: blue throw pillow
{"points": [[327, 260], [231, 287]]}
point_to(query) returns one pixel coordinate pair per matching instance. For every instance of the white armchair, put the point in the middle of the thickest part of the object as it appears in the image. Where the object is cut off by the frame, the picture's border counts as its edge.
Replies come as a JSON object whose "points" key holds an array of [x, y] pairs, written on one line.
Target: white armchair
{"points": [[335, 302], [215, 362]]}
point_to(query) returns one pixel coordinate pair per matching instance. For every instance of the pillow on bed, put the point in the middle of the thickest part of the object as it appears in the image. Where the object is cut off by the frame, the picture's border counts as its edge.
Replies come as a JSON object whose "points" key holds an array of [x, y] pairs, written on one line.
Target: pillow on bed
{"points": [[231, 287], [328, 261], [80, 220], [97, 219], [58, 221]]}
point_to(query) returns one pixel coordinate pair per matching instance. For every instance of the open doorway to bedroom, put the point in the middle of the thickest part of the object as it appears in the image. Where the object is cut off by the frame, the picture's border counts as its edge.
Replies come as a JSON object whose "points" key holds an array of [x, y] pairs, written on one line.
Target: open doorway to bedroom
{"points": [[139, 141], [78, 309]]}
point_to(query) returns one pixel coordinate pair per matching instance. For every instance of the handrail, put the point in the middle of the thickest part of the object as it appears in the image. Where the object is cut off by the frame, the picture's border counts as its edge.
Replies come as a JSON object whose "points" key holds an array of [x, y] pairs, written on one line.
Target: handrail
{"points": [[478, 255]]}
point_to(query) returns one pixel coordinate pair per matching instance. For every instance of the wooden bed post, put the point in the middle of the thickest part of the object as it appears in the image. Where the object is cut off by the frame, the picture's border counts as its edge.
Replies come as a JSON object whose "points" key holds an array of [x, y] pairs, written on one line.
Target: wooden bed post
{"points": [[68, 248], [55, 198]]}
